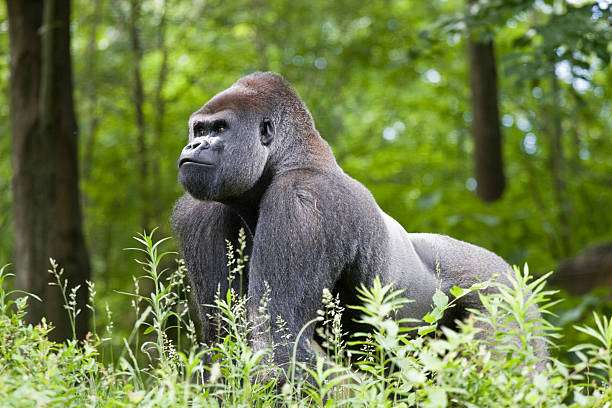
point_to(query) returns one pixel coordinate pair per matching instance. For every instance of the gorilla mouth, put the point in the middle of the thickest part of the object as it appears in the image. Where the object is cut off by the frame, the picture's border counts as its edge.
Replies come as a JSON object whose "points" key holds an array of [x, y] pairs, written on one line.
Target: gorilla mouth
{"points": [[192, 161]]}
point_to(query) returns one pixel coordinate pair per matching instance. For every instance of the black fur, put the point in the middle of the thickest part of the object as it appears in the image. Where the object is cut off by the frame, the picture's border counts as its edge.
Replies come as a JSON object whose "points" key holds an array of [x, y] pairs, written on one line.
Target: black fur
{"points": [[310, 225]]}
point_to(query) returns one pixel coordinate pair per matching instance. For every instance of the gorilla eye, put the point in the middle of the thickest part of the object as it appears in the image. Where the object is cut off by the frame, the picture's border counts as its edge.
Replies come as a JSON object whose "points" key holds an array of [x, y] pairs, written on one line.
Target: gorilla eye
{"points": [[199, 130], [220, 126]]}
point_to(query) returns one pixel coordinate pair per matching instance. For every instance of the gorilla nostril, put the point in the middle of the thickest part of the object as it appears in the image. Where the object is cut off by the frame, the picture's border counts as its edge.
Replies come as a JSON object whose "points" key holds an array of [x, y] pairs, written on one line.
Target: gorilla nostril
{"points": [[191, 146]]}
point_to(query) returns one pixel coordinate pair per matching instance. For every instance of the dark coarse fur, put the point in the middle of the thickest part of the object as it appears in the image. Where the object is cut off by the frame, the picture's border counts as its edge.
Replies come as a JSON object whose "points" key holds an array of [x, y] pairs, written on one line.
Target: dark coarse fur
{"points": [[310, 226]]}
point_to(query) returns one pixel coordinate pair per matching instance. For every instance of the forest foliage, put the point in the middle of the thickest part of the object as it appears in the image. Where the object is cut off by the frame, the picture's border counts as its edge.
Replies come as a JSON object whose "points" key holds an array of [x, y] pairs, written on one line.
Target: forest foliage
{"points": [[388, 86], [161, 363]]}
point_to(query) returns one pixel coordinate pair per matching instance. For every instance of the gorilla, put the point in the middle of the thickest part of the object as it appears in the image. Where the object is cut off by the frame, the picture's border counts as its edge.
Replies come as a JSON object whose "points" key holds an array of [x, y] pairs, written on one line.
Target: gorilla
{"points": [[255, 160]]}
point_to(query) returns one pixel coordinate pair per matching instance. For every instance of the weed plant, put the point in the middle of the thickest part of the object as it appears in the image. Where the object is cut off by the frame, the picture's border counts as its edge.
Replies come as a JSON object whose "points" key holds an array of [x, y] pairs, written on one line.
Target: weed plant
{"points": [[393, 364]]}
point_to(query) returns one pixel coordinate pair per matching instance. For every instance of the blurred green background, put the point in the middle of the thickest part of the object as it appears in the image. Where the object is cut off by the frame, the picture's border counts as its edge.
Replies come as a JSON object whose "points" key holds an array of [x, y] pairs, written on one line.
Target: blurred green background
{"points": [[388, 85]]}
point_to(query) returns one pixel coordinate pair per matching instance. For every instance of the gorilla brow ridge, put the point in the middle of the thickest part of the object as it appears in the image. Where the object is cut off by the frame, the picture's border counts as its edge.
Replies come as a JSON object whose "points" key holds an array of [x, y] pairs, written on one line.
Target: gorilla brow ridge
{"points": [[269, 94]]}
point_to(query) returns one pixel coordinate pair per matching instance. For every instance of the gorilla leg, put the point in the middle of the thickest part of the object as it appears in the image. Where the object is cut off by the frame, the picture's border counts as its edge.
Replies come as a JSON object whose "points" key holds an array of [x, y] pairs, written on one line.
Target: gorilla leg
{"points": [[460, 263]]}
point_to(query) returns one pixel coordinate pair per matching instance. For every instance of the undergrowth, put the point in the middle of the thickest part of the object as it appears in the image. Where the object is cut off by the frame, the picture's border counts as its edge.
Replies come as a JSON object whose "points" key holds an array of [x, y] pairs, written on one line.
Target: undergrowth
{"points": [[161, 362]]}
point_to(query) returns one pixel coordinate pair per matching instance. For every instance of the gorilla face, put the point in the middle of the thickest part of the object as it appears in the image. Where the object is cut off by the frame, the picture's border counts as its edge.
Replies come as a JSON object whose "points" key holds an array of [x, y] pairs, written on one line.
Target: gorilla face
{"points": [[226, 153]]}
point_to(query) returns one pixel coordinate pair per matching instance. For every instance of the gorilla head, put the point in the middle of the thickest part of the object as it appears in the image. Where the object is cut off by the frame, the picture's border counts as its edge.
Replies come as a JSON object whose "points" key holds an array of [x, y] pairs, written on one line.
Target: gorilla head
{"points": [[232, 137]]}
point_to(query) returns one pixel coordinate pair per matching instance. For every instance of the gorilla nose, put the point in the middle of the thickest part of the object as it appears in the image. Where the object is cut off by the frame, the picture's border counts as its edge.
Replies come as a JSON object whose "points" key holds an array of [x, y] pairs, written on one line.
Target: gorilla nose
{"points": [[202, 144]]}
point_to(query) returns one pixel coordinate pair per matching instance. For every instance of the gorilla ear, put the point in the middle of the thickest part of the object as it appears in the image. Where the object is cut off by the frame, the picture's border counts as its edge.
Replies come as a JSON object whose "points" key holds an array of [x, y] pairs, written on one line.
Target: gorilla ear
{"points": [[266, 131]]}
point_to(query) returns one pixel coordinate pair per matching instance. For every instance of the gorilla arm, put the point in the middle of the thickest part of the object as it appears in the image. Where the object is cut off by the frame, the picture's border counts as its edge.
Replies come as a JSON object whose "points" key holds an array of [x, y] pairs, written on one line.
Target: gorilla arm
{"points": [[202, 228], [292, 263]]}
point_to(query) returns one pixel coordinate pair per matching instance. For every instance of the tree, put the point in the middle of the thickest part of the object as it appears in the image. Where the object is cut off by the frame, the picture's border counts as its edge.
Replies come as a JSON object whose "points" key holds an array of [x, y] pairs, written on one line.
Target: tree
{"points": [[159, 103], [31, 170], [91, 88], [45, 160], [485, 117], [138, 95], [591, 268]]}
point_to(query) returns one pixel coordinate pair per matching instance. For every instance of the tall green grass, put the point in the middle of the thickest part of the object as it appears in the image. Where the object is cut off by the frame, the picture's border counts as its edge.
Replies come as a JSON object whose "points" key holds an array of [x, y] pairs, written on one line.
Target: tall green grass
{"points": [[393, 364]]}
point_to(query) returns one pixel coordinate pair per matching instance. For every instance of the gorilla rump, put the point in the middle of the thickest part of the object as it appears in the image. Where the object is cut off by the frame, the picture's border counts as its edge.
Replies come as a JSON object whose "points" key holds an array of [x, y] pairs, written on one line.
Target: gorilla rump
{"points": [[255, 160]]}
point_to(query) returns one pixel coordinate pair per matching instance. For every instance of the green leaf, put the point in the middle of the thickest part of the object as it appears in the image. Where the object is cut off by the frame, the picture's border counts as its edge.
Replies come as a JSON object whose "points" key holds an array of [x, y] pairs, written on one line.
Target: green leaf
{"points": [[436, 398], [457, 291], [440, 299], [425, 330]]}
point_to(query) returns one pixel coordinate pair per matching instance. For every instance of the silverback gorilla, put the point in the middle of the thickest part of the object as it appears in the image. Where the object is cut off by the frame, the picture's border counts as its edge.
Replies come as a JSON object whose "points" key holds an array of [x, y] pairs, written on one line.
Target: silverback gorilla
{"points": [[255, 160]]}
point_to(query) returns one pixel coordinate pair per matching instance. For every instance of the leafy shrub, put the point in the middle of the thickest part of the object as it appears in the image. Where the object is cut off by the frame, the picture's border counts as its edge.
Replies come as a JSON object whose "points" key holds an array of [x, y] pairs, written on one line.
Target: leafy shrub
{"points": [[394, 364]]}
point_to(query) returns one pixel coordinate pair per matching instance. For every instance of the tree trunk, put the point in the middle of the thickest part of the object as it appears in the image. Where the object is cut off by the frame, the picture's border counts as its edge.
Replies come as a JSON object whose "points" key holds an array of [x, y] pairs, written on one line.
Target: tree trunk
{"points": [[91, 89], [590, 269], [30, 150], [45, 160], [485, 120], [138, 95], [160, 106], [557, 166]]}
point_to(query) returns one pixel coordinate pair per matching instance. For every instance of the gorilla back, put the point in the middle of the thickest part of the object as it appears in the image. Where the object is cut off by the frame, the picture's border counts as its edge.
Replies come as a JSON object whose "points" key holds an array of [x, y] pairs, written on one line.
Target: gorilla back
{"points": [[255, 160]]}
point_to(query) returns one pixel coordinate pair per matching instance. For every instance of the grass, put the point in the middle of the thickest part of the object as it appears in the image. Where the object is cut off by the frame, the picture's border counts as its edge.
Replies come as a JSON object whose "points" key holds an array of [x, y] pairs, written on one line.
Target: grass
{"points": [[162, 364]]}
